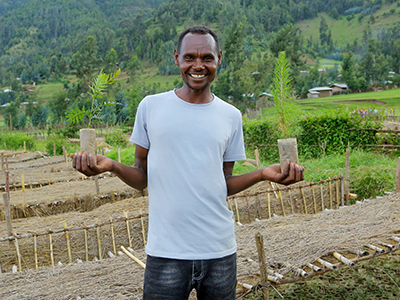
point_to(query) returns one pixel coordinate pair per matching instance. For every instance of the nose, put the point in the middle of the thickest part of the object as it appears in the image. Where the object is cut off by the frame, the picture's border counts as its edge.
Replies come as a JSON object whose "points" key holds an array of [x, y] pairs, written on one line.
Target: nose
{"points": [[198, 64]]}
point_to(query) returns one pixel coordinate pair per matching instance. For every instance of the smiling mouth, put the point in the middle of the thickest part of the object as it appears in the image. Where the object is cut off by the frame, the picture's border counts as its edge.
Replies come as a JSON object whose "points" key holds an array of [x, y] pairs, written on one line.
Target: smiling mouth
{"points": [[197, 76]]}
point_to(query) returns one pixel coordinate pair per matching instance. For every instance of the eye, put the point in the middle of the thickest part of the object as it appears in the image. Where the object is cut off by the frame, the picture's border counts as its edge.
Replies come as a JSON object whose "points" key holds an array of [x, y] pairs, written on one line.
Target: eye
{"points": [[188, 58], [208, 58]]}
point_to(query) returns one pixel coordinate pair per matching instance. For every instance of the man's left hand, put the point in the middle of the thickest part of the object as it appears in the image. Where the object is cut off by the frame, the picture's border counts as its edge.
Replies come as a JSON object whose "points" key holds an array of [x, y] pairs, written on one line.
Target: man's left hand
{"points": [[292, 173]]}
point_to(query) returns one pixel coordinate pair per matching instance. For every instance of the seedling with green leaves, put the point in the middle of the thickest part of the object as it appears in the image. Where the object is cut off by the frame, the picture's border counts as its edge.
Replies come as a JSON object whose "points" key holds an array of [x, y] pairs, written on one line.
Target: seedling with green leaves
{"points": [[97, 90]]}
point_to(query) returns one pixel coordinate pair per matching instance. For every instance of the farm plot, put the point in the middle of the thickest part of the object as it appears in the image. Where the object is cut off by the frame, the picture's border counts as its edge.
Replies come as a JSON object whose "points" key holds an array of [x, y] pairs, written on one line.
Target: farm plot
{"points": [[299, 225]]}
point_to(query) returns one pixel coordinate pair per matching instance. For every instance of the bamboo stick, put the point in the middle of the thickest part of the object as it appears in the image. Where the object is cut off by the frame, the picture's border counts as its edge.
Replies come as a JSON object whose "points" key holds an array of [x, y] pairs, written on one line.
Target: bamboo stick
{"points": [[2, 161], [18, 255], [304, 201], [25, 147], [269, 204], [68, 243], [337, 193], [229, 204], [51, 248], [327, 264], [35, 250], [54, 149], [376, 248], [322, 196], [347, 172], [134, 258], [112, 235], [314, 200], [86, 245], [23, 182], [314, 267], [330, 193], [119, 154], [343, 259], [291, 201], [237, 211], [127, 228], [283, 207], [98, 240], [143, 230]]}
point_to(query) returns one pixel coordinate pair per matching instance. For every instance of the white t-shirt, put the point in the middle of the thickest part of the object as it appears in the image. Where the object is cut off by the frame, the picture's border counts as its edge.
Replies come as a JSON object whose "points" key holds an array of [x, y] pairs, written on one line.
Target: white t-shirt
{"points": [[188, 143]]}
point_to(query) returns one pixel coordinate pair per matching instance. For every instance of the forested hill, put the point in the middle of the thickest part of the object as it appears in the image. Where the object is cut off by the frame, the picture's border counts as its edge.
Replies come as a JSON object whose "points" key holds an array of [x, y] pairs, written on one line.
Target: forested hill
{"points": [[47, 39]]}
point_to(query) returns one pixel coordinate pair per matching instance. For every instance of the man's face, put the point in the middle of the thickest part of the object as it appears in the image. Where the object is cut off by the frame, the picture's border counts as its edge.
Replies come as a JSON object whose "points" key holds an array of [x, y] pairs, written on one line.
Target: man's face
{"points": [[198, 60]]}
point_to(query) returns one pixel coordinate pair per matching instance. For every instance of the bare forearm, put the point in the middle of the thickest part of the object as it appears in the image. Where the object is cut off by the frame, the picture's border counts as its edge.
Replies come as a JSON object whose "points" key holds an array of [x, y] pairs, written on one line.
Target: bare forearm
{"points": [[132, 176], [239, 183]]}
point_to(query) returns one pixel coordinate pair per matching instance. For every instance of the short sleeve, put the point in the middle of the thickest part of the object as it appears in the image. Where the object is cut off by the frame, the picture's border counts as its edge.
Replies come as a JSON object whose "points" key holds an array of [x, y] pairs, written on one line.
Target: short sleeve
{"points": [[235, 150], [139, 134]]}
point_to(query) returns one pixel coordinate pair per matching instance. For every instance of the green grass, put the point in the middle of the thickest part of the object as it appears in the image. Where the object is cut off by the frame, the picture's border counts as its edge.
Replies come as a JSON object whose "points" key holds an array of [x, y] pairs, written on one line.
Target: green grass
{"points": [[326, 63], [387, 98], [47, 90]]}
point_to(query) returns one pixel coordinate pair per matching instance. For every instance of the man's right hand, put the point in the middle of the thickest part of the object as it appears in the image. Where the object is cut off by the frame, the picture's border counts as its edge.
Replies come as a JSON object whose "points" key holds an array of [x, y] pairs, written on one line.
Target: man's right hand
{"points": [[79, 162]]}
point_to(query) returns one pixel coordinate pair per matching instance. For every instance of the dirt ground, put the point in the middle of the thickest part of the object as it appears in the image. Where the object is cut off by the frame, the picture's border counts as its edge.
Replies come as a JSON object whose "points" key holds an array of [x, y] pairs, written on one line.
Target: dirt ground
{"points": [[290, 242]]}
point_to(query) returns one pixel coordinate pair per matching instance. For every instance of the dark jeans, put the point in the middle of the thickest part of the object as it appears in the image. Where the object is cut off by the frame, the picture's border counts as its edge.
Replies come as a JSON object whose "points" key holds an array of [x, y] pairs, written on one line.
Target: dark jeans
{"points": [[173, 279]]}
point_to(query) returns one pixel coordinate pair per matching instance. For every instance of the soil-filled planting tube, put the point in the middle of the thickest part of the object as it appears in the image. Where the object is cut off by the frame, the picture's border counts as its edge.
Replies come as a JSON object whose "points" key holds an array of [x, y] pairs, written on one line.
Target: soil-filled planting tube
{"points": [[88, 142], [288, 151]]}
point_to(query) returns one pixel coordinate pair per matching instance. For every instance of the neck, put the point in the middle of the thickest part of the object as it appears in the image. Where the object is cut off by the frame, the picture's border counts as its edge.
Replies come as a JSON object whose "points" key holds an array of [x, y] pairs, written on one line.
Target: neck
{"points": [[195, 96]]}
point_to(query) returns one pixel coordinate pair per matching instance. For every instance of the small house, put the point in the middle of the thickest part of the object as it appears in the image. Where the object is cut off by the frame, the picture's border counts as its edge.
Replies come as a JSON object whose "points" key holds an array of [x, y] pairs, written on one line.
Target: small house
{"points": [[339, 88], [322, 91]]}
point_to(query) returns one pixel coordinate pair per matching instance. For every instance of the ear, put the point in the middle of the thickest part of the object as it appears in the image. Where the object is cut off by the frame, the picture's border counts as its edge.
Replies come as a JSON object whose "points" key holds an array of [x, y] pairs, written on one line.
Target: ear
{"points": [[176, 57], [219, 57]]}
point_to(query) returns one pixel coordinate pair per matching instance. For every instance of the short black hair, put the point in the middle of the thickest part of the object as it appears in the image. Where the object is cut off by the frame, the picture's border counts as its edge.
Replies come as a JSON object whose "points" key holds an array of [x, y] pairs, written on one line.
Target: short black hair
{"points": [[199, 29]]}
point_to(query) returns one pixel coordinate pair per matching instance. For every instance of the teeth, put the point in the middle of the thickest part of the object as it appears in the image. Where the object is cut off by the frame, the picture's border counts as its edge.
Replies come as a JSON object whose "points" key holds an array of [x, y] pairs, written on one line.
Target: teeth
{"points": [[197, 76]]}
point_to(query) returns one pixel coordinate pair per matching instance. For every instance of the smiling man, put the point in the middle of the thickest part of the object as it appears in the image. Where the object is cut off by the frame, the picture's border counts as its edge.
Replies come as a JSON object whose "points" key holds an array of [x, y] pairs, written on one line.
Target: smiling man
{"points": [[187, 141]]}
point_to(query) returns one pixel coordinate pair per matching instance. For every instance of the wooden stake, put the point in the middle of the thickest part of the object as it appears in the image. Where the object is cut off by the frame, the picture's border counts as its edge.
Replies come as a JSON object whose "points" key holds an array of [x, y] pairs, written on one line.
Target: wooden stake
{"points": [[237, 211], [51, 248], [22, 182], [283, 207], [44, 149], [35, 250], [86, 245], [342, 190], [143, 230], [314, 200], [322, 197], [269, 204], [229, 204], [330, 193], [119, 154], [98, 240], [112, 235], [18, 254], [112, 196], [2, 161], [24, 146], [5, 146], [7, 213], [127, 228], [397, 177], [65, 154], [30, 184], [262, 263], [54, 149], [96, 182], [347, 172], [68, 243], [337, 193], [304, 201]]}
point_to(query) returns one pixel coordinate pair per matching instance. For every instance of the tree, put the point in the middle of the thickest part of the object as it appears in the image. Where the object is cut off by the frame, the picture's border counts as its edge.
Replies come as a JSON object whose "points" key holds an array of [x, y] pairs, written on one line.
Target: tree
{"points": [[133, 67], [86, 60], [110, 61], [348, 73]]}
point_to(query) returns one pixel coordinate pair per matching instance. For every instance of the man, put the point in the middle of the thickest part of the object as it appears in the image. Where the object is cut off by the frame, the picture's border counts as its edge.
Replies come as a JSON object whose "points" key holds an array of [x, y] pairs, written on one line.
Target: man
{"points": [[187, 141]]}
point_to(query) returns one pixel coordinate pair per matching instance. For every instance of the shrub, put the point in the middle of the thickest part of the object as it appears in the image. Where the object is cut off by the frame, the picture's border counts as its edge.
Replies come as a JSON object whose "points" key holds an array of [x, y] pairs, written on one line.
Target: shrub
{"points": [[15, 141]]}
